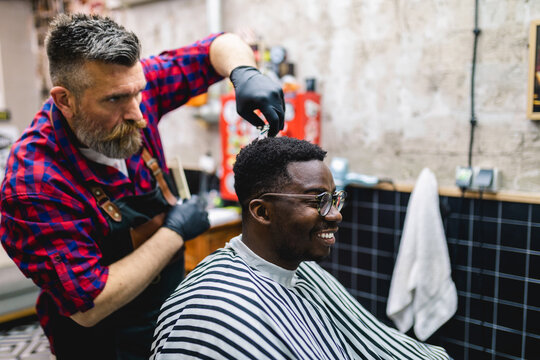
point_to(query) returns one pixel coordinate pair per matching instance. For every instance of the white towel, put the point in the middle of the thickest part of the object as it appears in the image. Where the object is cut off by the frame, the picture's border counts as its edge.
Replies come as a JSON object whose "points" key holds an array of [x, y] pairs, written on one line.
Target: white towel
{"points": [[422, 291]]}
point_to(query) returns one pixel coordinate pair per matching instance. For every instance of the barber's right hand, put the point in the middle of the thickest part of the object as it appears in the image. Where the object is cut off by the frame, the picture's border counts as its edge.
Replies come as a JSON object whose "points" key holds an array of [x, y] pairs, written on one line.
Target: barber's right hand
{"points": [[188, 219], [257, 91]]}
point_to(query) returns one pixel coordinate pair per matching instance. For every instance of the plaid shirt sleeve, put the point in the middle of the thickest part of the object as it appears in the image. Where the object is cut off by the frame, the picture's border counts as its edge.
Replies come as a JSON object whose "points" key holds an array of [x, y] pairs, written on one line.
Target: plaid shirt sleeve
{"points": [[48, 225], [175, 76], [48, 232]]}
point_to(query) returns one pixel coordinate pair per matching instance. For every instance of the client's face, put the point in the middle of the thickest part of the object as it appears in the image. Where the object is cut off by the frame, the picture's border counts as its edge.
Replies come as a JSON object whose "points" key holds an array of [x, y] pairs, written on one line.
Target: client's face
{"points": [[299, 233]]}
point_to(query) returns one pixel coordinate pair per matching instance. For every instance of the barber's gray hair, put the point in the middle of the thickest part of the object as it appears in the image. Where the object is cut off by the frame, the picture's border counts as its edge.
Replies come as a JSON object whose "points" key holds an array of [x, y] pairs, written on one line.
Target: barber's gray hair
{"points": [[75, 39]]}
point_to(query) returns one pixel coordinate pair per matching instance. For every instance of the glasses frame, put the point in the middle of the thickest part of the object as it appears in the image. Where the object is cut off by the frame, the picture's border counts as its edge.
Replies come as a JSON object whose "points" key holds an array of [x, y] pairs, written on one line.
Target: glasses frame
{"points": [[340, 195]]}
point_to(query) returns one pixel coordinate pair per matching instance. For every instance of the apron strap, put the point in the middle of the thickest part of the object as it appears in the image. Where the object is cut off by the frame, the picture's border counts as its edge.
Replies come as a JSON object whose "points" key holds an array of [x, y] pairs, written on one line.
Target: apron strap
{"points": [[138, 234], [153, 165], [144, 231], [106, 204]]}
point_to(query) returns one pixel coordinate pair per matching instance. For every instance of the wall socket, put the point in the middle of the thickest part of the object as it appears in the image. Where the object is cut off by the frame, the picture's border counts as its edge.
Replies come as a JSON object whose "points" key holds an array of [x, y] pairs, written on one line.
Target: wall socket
{"points": [[478, 179]]}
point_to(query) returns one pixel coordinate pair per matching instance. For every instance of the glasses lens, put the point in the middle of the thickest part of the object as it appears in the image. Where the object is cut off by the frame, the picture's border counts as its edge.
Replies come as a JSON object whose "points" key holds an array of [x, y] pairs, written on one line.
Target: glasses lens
{"points": [[325, 203], [340, 199]]}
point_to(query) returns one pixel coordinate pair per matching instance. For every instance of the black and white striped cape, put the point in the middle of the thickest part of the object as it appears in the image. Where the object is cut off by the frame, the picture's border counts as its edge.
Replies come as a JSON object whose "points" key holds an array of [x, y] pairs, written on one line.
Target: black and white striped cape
{"points": [[226, 309]]}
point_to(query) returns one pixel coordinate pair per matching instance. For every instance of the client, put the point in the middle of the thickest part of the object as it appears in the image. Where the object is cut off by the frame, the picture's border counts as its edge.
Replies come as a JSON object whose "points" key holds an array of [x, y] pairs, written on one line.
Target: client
{"points": [[263, 296]]}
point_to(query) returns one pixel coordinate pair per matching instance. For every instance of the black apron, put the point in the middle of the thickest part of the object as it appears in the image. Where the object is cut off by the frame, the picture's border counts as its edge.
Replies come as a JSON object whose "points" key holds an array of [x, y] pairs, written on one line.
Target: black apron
{"points": [[128, 332]]}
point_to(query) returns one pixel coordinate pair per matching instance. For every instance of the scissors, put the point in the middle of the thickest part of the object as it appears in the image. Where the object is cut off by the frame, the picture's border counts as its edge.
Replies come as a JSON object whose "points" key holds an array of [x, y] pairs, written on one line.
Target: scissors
{"points": [[263, 131]]}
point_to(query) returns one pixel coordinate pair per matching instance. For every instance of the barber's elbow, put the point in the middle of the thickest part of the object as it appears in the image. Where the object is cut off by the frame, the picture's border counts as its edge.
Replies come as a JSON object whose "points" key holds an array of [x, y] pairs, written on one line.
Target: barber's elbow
{"points": [[85, 319]]}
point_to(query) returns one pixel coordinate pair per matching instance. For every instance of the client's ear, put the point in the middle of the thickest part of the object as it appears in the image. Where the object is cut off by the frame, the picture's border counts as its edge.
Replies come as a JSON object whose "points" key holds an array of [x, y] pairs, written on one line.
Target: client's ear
{"points": [[259, 210]]}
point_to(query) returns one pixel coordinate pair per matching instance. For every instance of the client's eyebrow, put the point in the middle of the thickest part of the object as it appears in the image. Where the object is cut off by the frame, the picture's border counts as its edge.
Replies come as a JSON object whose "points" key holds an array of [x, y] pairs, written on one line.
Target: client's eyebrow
{"points": [[315, 191]]}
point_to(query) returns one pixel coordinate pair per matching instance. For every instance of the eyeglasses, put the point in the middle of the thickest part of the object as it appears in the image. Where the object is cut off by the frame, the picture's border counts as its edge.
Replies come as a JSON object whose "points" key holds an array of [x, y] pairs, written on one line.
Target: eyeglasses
{"points": [[325, 200]]}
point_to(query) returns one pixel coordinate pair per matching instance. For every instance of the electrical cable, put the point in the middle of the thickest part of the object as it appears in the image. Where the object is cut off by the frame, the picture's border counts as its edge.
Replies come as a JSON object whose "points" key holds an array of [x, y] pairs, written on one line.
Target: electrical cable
{"points": [[479, 229], [473, 120]]}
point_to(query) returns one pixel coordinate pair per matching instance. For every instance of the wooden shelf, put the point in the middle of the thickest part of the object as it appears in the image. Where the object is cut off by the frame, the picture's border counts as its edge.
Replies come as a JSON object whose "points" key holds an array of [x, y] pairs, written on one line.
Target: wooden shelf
{"points": [[453, 191]]}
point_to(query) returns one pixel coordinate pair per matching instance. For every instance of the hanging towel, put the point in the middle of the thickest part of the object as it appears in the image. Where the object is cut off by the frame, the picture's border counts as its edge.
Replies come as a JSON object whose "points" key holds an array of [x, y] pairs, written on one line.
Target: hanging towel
{"points": [[422, 291]]}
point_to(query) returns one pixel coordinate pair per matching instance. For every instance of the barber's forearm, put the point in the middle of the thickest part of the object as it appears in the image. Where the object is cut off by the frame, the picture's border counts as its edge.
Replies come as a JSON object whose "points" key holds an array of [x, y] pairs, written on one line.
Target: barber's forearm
{"points": [[129, 276], [228, 51]]}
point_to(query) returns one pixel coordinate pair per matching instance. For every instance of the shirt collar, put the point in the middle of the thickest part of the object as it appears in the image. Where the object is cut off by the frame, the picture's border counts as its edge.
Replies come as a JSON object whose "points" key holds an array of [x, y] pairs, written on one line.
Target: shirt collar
{"points": [[118, 164], [283, 276]]}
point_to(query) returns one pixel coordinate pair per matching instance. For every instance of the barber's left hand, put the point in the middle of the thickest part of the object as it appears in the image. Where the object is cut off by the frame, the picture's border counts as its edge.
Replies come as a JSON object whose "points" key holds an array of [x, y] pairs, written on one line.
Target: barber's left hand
{"points": [[188, 219], [257, 91]]}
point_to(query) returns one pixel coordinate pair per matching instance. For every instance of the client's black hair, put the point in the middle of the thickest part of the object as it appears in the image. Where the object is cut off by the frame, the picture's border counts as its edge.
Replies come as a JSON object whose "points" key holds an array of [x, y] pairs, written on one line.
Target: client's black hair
{"points": [[261, 166]]}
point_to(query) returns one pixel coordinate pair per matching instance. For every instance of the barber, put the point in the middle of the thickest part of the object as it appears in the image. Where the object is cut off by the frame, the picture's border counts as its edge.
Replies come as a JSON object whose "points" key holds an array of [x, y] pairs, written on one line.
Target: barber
{"points": [[88, 209]]}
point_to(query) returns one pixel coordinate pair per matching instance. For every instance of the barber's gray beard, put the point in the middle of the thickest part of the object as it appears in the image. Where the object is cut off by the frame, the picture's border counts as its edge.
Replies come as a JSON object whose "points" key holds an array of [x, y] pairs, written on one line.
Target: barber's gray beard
{"points": [[120, 147]]}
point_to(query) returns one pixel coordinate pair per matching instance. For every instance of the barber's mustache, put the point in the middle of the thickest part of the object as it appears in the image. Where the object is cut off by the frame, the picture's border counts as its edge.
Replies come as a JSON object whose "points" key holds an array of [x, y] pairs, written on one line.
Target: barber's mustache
{"points": [[125, 128]]}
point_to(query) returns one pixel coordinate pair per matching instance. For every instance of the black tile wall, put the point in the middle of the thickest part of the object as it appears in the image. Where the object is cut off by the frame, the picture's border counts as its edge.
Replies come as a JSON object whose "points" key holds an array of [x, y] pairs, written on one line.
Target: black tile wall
{"points": [[494, 249]]}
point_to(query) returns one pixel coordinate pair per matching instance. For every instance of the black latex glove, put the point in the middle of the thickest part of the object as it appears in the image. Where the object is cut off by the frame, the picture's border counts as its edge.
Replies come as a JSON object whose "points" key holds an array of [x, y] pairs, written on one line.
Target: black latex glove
{"points": [[257, 91], [188, 219]]}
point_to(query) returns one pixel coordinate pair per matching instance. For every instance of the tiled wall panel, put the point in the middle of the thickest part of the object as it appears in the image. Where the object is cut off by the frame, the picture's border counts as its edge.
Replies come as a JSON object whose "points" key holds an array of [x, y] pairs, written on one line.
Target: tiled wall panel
{"points": [[494, 249]]}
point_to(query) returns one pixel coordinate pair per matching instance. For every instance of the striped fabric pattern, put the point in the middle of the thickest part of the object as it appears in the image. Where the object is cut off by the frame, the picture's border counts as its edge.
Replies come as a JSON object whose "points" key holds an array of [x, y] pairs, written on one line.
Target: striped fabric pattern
{"points": [[226, 309]]}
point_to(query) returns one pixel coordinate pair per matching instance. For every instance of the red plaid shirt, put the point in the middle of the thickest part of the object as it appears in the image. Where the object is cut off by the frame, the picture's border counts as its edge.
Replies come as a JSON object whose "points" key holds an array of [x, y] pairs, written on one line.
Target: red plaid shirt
{"points": [[51, 225]]}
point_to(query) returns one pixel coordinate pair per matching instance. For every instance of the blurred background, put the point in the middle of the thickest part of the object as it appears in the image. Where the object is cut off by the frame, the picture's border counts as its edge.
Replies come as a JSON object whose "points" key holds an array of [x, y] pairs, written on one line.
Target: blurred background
{"points": [[394, 76], [387, 87]]}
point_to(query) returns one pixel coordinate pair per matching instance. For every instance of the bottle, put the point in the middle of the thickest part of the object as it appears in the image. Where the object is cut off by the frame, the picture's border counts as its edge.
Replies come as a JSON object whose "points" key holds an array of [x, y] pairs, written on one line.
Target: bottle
{"points": [[288, 80]]}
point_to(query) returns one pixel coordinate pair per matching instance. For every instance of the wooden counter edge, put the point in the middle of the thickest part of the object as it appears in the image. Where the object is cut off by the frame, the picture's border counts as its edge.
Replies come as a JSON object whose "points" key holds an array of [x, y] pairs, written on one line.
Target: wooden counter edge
{"points": [[17, 314], [452, 191]]}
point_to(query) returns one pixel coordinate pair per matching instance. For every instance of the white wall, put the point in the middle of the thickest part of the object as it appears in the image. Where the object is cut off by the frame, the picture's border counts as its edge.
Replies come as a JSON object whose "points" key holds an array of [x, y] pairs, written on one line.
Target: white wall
{"points": [[19, 62], [394, 77], [170, 25]]}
